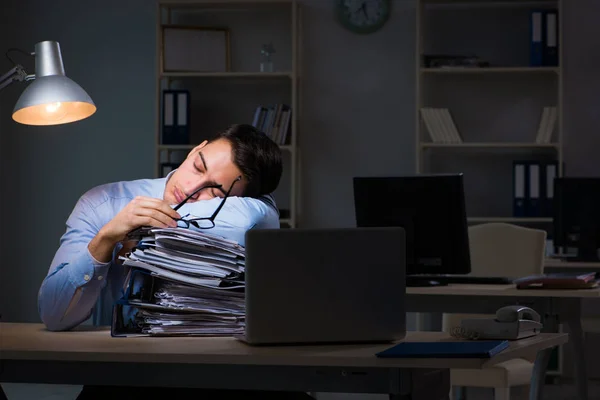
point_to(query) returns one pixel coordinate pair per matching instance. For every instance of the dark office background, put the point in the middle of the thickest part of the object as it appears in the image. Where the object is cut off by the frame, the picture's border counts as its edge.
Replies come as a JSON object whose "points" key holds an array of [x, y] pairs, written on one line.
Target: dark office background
{"points": [[358, 96]]}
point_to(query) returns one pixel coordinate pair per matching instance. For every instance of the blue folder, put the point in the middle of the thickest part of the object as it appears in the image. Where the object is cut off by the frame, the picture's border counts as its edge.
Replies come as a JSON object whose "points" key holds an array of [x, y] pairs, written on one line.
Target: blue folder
{"points": [[465, 349]]}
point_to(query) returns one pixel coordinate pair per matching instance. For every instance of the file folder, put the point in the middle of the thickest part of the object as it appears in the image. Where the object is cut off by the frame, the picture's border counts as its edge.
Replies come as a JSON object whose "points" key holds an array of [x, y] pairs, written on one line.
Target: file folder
{"points": [[166, 168], [536, 32], [176, 117], [533, 200], [550, 38], [549, 172], [519, 188], [464, 349]]}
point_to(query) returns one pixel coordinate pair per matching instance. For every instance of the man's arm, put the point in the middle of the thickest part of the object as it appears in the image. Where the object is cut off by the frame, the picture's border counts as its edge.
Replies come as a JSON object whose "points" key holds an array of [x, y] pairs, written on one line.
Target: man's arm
{"points": [[78, 272], [75, 279]]}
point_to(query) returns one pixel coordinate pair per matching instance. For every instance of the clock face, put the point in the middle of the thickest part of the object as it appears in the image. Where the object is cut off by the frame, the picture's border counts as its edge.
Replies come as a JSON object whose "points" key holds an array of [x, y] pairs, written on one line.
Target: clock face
{"points": [[363, 16]]}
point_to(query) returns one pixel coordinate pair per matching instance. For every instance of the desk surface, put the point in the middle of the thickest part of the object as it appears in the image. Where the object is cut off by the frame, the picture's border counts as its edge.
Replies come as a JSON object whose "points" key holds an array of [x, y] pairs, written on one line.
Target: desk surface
{"points": [[456, 289], [34, 342]]}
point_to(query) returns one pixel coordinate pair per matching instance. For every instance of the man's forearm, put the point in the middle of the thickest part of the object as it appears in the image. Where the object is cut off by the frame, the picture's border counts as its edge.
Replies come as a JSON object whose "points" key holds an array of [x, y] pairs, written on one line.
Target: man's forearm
{"points": [[69, 293], [101, 246]]}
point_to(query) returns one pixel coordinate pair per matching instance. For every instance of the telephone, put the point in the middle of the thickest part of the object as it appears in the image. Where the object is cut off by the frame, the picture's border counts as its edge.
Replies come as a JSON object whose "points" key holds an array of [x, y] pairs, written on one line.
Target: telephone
{"points": [[511, 322]]}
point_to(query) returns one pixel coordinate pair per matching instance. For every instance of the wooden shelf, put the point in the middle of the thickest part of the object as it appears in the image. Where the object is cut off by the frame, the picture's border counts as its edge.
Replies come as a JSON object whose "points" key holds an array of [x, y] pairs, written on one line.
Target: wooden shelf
{"points": [[280, 87], [513, 145], [510, 219], [249, 75], [489, 70]]}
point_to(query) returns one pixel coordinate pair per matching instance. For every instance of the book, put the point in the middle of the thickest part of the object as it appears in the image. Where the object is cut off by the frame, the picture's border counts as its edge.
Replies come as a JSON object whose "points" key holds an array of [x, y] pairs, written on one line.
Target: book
{"points": [[451, 349], [563, 280]]}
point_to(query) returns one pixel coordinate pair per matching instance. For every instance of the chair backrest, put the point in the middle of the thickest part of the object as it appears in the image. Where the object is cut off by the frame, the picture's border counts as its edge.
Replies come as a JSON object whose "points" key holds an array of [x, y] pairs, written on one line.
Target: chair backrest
{"points": [[501, 249]]}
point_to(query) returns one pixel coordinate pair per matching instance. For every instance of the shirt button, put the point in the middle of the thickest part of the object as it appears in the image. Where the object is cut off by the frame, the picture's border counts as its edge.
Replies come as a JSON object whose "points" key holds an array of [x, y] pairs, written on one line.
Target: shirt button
{"points": [[100, 278], [86, 277]]}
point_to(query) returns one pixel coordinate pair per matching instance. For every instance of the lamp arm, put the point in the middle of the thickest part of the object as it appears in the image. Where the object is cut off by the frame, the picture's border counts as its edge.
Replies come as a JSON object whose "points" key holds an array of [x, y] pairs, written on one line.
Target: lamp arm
{"points": [[17, 73]]}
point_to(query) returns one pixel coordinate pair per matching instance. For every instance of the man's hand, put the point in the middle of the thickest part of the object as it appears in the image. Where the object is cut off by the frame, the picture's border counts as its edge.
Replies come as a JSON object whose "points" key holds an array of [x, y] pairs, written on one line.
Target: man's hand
{"points": [[141, 211]]}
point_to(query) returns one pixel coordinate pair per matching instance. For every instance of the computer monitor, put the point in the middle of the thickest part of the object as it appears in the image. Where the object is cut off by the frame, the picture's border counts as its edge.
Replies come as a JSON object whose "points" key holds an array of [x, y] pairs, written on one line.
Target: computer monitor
{"points": [[432, 211], [576, 216]]}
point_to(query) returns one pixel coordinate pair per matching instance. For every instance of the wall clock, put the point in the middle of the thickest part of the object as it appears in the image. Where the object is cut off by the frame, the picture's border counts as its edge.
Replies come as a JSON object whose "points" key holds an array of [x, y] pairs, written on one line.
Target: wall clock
{"points": [[362, 16]]}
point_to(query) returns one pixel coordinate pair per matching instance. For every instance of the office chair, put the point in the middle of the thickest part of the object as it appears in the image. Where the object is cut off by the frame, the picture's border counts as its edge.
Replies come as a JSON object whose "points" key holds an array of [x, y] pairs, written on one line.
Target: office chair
{"points": [[499, 249]]}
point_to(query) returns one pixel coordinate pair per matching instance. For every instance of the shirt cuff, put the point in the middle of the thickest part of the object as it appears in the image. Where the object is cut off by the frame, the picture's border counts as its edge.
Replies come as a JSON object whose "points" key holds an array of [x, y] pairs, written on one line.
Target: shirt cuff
{"points": [[86, 269], [95, 261]]}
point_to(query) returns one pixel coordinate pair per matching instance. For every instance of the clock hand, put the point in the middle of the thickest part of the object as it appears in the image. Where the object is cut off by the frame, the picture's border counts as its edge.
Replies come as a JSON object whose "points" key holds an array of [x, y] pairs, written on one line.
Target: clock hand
{"points": [[364, 9]]}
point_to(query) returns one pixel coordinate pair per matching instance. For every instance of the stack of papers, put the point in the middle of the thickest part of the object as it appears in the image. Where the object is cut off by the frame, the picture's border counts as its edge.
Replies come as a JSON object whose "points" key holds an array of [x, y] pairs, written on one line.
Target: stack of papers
{"points": [[182, 282]]}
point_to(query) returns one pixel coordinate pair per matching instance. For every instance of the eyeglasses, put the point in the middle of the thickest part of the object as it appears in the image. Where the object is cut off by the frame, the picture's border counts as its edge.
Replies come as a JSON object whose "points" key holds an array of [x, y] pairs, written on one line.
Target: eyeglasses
{"points": [[200, 223], [204, 222]]}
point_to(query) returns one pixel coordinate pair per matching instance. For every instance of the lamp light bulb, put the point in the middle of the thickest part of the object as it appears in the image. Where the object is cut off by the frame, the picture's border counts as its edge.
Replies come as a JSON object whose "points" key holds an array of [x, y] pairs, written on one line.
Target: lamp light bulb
{"points": [[53, 111]]}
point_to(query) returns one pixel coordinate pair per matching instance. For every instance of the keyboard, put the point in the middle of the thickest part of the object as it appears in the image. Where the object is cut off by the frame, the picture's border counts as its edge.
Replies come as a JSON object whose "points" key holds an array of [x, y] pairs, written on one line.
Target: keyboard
{"points": [[483, 280]]}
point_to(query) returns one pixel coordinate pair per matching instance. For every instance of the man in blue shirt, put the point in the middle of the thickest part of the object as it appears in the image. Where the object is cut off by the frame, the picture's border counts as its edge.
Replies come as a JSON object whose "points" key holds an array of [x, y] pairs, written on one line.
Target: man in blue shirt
{"points": [[85, 277]]}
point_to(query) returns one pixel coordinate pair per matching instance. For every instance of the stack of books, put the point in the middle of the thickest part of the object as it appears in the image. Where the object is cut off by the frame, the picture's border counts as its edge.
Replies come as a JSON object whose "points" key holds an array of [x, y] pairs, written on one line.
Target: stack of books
{"points": [[182, 282], [440, 125], [274, 121]]}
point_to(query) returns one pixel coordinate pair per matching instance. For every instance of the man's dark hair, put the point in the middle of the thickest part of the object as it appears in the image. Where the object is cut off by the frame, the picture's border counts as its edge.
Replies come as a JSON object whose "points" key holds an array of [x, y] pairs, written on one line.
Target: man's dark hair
{"points": [[256, 155]]}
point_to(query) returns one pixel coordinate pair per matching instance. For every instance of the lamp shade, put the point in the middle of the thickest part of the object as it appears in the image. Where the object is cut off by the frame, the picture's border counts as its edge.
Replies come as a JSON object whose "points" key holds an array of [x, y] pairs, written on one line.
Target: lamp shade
{"points": [[52, 98]]}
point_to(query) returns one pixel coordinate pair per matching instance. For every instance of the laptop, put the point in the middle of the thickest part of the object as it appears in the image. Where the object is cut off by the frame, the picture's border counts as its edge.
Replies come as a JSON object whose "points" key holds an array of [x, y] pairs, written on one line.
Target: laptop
{"points": [[312, 286]]}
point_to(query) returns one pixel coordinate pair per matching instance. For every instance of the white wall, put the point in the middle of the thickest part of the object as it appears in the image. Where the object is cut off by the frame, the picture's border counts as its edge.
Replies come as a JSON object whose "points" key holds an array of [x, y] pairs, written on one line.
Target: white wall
{"points": [[109, 49], [357, 108]]}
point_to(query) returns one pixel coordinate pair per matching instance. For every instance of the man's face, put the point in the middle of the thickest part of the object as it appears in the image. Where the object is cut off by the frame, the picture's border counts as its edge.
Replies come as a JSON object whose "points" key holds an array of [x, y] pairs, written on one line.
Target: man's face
{"points": [[207, 164]]}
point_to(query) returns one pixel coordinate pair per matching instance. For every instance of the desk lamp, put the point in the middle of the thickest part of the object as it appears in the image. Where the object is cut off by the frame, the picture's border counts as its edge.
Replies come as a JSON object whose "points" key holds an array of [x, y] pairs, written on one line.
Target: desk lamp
{"points": [[52, 98]]}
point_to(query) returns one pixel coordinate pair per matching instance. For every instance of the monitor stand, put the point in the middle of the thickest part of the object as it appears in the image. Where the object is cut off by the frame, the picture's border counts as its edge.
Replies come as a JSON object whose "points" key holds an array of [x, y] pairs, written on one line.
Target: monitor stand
{"points": [[419, 281]]}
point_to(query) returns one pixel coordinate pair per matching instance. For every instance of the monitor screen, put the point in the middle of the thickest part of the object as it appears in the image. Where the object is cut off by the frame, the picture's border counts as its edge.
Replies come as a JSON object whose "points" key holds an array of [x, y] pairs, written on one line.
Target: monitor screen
{"points": [[431, 209], [577, 217]]}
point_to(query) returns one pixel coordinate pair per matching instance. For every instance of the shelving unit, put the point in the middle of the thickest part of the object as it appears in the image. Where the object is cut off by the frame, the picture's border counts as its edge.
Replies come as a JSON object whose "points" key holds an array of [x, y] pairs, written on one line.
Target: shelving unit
{"points": [[222, 98], [496, 108]]}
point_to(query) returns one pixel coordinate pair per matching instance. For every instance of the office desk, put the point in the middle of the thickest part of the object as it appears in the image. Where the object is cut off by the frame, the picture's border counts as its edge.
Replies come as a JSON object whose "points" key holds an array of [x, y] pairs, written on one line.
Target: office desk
{"points": [[31, 354], [590, 310], [555, 306]]}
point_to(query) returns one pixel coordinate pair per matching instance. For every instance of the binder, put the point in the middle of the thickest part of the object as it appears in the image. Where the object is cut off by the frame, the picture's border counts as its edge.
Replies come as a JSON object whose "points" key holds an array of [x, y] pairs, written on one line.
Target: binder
{"points": [[176, 117], [550, 171], [536, 32], [533, 202], [166, 168], [519, 188], [466, 349], [257, 114], [550, 38]]}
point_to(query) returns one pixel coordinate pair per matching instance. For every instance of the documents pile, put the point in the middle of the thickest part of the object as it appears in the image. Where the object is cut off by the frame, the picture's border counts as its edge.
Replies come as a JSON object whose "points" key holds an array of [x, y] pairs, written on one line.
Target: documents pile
{"points": [[182, 282]]}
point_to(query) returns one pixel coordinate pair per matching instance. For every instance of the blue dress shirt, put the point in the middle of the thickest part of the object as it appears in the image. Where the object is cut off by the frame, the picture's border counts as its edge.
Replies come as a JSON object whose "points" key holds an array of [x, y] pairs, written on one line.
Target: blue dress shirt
{"points": [[77, 285]]}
